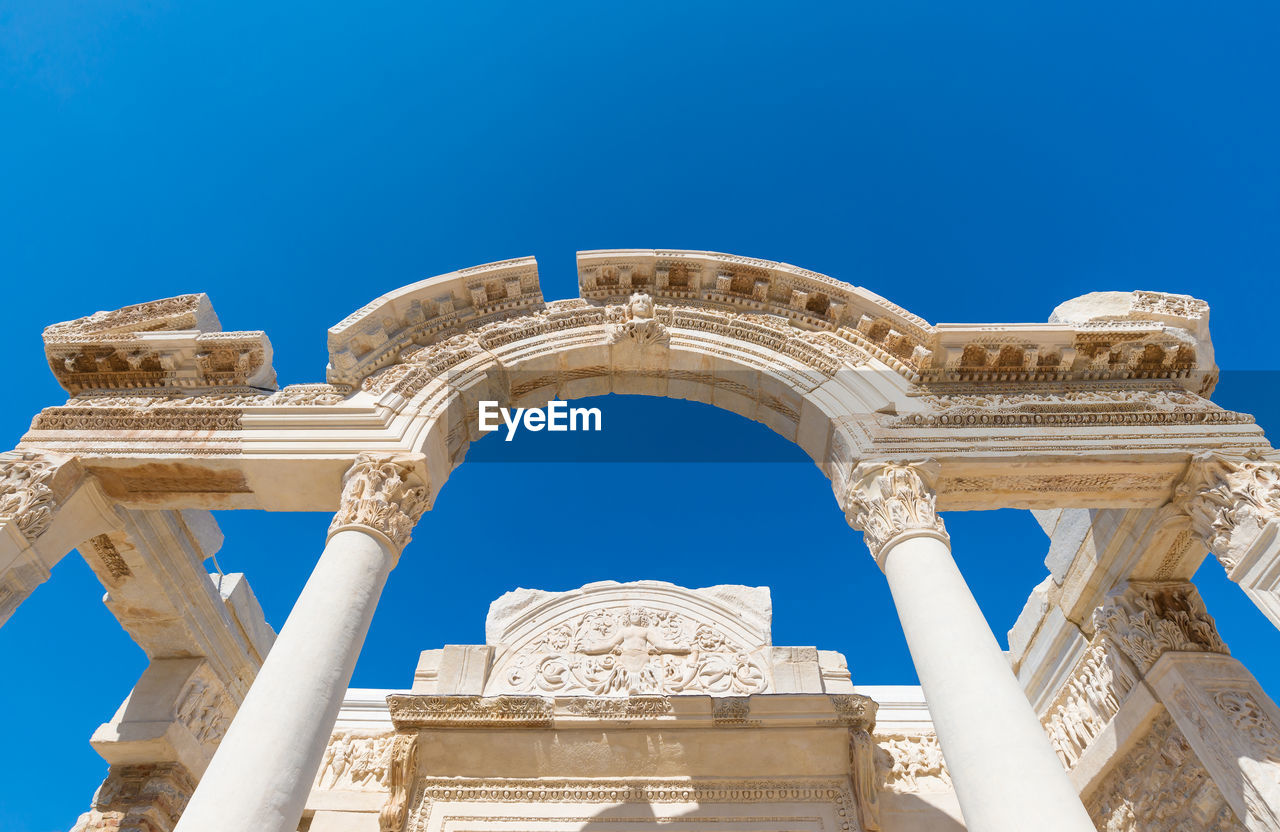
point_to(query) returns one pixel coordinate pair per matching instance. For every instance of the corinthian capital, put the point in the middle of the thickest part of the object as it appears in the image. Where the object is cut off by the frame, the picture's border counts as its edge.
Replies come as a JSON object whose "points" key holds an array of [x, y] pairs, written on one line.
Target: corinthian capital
{"points": [[1230, 502], [891, 501], [383, 494], [1150, 618], [28, 497]]}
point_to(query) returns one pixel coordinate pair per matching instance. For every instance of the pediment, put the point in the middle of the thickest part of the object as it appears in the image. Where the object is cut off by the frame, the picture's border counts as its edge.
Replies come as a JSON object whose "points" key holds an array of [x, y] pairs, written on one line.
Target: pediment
{"points": [[627, 639]]}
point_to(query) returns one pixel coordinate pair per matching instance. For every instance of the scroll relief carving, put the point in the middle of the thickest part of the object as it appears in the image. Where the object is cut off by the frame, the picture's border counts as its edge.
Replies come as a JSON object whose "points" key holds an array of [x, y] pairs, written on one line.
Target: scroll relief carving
{"points": [[911, 763], [1068, 408], [356, 761], [1148, 619], [1230, 502], [635, 650], [1091, 696], [382, 492], [1161, 786], [26, 492], [888, 501]]}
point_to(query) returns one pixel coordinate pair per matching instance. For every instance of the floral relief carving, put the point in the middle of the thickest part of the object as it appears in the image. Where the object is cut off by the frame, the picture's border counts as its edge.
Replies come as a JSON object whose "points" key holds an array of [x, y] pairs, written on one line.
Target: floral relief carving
{"points": [[1249, 718], [1230, 502], [408, 710], [382, 492], [633, 707], [1148, 619], [1160, 786], [634, 650], [26, 493], [887, 501]]}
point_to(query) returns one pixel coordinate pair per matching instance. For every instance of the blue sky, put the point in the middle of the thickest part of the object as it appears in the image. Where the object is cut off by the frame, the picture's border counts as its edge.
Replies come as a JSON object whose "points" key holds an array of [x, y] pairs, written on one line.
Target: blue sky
{"points": [[972, 162]]}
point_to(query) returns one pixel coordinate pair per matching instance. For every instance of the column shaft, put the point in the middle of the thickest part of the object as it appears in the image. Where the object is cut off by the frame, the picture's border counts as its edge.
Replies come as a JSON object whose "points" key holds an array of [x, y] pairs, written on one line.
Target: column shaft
{"points": [[1007, 777], [262, 773]]}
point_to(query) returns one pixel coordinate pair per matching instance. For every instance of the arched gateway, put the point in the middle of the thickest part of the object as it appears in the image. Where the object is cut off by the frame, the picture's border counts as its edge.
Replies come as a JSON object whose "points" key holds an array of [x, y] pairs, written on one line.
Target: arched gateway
{"points": [[1099, 420]]}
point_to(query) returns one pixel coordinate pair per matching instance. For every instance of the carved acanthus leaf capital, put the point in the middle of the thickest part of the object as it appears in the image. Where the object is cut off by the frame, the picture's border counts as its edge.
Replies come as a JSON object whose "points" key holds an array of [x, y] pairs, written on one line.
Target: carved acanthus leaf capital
{"points": [[384, 494], [890, 501], [28, 498], [1230, 502], [1147, 619]]}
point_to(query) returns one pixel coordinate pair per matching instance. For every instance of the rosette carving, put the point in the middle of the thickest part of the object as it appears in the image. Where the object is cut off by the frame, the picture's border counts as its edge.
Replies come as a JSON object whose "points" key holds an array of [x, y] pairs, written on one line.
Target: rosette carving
{"points": [[892, 501], [382, 493]]}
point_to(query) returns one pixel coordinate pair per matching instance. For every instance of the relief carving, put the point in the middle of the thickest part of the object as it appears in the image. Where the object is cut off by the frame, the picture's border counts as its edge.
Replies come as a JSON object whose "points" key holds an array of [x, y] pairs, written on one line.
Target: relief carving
{"points": [[1148, 619], [1230, 502], [889, 501], [635, 650], [26, 493], [911, 763], [409, 711], [205, 710], [356, 761], [634, 321], [633, 707], [1160, 786], [382, 493], [1092, 695], [148, 797]]}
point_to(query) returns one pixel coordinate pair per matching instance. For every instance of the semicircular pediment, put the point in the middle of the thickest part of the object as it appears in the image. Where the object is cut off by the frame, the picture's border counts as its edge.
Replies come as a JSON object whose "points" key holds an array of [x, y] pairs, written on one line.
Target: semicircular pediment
{"points": [[646, 637]]}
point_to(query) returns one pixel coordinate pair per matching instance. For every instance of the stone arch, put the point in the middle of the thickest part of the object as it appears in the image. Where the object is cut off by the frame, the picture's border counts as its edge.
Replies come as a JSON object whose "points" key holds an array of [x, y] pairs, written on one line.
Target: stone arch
{"points": [[767, 341]]}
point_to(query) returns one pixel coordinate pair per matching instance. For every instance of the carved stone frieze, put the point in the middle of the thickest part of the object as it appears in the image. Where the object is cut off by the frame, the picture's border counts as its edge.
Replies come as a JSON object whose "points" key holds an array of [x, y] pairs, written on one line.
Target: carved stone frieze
{"points": [[404, 749], [205, 709], [634, 650], [1160, 786], [27, 498], [1147, 619], [633, 707], [409, 711], [1087, 701], [105, 548], [909, 763], [429, 793], [728, 711], [1068, 407], [356, 761], [865, 778], [384, 494], [855, 710], [1230, 501], [891, 501]]}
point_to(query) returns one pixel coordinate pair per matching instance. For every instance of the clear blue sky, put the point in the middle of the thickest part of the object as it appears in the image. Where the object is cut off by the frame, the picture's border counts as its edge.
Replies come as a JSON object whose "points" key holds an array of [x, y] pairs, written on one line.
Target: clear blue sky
{"points": [[973, 162]]}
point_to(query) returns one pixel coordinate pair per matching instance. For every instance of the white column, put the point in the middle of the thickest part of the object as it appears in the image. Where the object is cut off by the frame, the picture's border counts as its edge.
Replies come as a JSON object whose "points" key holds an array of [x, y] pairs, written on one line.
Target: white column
{"points": [[1006, 774], [261, 775], [1234, 505]]}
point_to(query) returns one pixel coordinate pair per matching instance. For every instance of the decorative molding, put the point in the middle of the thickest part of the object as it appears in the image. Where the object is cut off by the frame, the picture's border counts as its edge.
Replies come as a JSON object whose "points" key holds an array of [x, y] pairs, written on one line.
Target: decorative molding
{"points": [[855, 710], [1160, 786], [893, 501], [1147, 619], [427, 792], [382, 493], [865, 778], [27, 497], [410, 711], [404, 751], [633, 707], [1229, 502], [1068, 407], [731, 711]]}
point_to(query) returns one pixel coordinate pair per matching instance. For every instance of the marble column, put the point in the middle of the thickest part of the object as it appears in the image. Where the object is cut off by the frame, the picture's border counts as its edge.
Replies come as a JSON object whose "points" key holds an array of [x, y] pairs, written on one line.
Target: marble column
{"points": [[261, 775], [1234, 505], [1007, 777]]}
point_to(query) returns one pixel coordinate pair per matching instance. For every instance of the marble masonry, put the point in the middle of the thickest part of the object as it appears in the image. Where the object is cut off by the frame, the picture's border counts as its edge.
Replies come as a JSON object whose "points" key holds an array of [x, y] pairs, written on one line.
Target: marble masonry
{"points": [[1116, 706]]}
